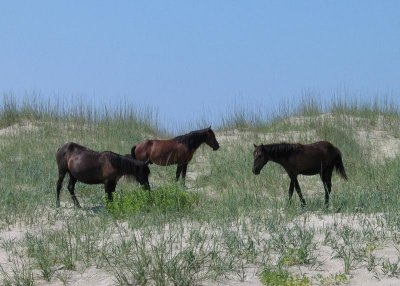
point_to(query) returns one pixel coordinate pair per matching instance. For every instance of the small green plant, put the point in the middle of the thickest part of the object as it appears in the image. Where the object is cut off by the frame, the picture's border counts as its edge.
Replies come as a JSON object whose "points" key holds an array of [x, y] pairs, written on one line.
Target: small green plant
{"points": [[20, 274], [8, 245], [167, 198], [296, 246], [64, 277], [391, 269], [281, 277], [332, 280], [293, 256], [40, 251], [349, 257], [372, 262]]}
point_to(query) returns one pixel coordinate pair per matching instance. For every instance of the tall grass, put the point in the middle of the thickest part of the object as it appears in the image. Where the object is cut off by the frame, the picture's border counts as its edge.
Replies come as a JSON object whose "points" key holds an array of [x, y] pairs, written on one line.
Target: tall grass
{"points": [[33, 108]]}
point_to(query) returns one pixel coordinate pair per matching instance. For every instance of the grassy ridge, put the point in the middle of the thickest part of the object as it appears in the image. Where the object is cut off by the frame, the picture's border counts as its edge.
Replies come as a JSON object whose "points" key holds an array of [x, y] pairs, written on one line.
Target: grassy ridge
{"points": [[235, 221]]}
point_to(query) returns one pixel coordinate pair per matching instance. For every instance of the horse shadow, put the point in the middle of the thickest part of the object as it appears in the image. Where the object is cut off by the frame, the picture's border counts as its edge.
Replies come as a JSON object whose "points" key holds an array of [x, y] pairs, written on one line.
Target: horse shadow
{"points": [[96, 209]]}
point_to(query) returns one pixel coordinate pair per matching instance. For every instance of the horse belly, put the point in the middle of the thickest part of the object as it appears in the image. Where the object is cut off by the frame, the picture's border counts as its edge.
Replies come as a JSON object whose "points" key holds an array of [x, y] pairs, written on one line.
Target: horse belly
{"points": [[306, 166], [86, 174], [164, 159], [309, 172], [166, 155]]}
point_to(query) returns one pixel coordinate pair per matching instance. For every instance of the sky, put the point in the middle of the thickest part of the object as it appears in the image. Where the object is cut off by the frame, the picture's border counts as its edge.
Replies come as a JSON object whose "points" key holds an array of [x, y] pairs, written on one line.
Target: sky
{"points": [[199, 60]]}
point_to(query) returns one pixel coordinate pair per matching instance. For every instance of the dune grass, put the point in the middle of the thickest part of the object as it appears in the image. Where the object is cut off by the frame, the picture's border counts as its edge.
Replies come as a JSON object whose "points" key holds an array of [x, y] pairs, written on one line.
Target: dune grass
{"points": [[226, 223]]}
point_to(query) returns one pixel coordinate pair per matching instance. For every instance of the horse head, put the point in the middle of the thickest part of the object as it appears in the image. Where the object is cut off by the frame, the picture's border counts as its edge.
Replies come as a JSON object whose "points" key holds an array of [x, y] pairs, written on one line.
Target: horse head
{"points": [[142, 173], [211, 140], [260, 158]]}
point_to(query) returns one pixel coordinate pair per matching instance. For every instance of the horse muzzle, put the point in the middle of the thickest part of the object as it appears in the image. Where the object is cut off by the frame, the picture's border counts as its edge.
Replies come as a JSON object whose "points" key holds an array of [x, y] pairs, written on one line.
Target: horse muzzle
{"points": [[146, 186], [256, 172]]}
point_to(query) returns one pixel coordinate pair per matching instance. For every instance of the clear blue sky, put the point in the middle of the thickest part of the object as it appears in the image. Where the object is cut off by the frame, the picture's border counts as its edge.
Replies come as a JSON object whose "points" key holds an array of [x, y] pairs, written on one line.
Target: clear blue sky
{"points": [[199, 59]]}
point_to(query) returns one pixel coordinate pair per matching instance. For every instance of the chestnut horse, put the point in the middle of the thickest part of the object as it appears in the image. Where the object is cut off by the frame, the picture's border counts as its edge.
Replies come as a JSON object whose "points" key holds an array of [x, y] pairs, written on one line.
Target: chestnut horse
{"points": [[298, 159], [91, 167], [178, 150]]}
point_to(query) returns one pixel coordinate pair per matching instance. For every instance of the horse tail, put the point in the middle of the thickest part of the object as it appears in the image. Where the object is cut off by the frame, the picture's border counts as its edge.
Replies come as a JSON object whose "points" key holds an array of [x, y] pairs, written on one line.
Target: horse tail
{"points": [[133, 152], [339, 166]]}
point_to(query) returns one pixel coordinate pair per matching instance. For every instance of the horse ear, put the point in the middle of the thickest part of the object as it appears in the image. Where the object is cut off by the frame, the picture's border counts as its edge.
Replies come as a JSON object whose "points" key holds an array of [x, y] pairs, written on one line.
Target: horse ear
{"points": [[255, 146]]}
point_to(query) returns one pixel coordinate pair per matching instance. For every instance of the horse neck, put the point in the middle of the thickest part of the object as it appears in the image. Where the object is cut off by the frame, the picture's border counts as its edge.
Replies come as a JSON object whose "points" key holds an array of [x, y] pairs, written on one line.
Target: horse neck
{"points": [[201, 138], [279, 153], [193, 140], [123, 165], [278, 160]]}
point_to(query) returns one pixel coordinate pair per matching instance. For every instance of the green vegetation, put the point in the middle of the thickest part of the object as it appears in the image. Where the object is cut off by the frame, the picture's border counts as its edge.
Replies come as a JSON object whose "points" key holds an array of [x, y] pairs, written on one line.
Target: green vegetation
{"points": [[167, 198], [225, 224], [281, 277], [333, 279]]}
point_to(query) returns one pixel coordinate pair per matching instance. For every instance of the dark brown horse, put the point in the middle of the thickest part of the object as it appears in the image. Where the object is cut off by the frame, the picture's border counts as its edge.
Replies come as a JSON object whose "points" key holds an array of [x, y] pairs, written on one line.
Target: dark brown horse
{"points": [[91, 167], [298, 159], [178, 150]]}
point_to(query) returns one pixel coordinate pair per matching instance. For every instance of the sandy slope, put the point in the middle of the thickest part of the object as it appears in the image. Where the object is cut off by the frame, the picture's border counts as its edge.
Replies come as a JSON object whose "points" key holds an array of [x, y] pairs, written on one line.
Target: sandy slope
{"points": [[383, 142]]}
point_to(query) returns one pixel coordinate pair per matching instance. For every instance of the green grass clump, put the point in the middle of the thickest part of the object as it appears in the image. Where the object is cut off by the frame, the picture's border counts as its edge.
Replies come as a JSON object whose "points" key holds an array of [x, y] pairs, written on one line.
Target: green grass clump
{"points": [[293, 256], [167, 198], [281, 277], [334, 279]]}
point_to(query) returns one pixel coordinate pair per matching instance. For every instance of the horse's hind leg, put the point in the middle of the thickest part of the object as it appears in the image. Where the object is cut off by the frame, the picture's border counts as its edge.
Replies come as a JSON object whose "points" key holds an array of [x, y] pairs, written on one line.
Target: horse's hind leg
{"points": [[298, 190], [184, 169], [291, 189], [327, 181], [327, 187], [71, 189], [61, 175]]}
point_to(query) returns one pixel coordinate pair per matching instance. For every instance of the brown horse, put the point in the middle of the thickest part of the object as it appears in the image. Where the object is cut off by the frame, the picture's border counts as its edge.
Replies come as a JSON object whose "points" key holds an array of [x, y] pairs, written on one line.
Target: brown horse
{"points": [[91, 167], [178, 150], [297, 159]]}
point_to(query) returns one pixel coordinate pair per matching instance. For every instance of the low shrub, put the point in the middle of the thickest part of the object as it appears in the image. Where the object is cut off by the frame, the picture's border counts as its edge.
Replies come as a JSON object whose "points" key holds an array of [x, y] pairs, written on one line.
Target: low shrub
{"points": [[281, 277], [167, 198]]}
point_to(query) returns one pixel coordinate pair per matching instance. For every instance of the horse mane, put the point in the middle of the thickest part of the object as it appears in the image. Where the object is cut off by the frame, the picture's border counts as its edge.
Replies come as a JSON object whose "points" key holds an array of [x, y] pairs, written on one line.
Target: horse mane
{"points": [[281, 149], [193, 139]]}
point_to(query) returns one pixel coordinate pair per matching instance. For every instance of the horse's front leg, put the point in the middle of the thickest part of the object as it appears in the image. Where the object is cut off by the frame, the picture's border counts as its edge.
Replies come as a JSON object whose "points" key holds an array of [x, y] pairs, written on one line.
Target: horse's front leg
{"points": [[291, 189], [61, 176], [178, 171], [298, 190], [184, 169], [110, 188]]}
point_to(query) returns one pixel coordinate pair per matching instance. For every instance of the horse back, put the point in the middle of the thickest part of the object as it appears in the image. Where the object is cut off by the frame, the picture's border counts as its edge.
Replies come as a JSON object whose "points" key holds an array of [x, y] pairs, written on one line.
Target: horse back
{"points": [[84, 164], [162, 152], [326, 148], [321, 150], [310, 158]]}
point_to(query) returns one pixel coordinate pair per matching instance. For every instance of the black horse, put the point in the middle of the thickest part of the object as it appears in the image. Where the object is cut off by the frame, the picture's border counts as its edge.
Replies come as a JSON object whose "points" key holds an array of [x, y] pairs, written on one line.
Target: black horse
{"points": [[178, 150], [298, 159], [91, 167]]}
